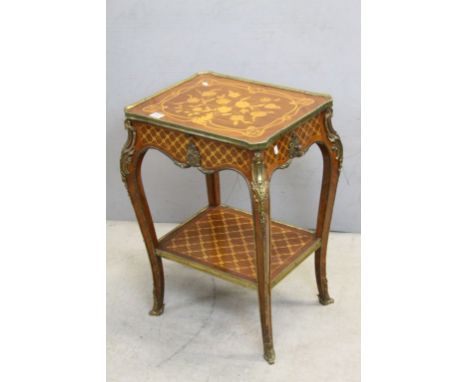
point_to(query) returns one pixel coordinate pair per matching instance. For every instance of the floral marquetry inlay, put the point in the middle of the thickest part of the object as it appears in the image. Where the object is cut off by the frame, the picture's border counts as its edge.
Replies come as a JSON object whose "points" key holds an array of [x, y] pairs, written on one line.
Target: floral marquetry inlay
{"points": [[229, 107]]}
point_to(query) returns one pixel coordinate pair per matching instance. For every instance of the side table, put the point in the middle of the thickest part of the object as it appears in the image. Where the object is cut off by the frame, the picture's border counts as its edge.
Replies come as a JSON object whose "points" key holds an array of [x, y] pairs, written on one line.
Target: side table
{"points": [[215, 122]]}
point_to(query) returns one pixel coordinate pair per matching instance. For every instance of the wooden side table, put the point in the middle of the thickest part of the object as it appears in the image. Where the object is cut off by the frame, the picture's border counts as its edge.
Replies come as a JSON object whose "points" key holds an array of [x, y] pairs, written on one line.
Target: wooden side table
{"points": [[215, 122]]}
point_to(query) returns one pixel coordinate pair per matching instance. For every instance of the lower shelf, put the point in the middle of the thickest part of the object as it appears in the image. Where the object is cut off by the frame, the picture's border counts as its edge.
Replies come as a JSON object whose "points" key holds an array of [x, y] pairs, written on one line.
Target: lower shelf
{"points": [[220, 241]]}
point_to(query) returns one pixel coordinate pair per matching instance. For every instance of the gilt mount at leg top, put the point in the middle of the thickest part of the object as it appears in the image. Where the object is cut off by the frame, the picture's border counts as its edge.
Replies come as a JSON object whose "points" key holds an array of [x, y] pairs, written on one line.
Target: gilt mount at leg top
{"points": [[334, 138], [259, 184], [128, 151]]}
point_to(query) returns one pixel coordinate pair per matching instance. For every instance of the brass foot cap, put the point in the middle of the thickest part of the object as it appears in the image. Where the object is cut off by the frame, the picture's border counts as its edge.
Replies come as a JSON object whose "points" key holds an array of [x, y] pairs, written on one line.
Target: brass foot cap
{"points": [[157, 311], [269, 356], [326, 300]]}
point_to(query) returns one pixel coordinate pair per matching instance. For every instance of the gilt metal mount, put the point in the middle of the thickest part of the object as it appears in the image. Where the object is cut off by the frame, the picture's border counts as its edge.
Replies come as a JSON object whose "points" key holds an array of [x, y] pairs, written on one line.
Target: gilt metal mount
{"points": [[295, 148], [193, 155], [128, 151], [192, 158], [334, 138]]}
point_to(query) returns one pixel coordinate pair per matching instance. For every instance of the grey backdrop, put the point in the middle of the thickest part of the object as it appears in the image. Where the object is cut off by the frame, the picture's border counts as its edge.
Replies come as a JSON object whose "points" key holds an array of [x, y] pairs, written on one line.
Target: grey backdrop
{"points": [[313, 45]]}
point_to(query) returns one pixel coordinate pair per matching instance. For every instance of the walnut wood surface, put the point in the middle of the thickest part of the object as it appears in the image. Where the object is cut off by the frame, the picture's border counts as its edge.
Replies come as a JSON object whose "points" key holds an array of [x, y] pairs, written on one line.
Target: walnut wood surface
{"points": [[213, 189]]}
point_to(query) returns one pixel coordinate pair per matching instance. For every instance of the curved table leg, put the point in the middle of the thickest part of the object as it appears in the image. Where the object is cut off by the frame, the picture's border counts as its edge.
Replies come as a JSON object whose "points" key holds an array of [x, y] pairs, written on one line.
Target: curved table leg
{"points": [[213, 189], [332, 152], [130, 163], [260, 193]]}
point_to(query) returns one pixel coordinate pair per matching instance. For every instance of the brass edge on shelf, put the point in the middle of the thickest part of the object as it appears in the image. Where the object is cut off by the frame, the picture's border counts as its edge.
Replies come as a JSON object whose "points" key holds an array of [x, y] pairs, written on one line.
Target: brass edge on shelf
{"points": [[195, 215], [202, 210], [226, 276], [273, 221], [207, 269], [293, 265]]}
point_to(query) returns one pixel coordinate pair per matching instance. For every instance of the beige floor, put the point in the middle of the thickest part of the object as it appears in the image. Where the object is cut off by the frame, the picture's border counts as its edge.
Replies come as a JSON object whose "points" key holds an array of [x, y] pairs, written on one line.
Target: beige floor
{"points": [[210, 330]]}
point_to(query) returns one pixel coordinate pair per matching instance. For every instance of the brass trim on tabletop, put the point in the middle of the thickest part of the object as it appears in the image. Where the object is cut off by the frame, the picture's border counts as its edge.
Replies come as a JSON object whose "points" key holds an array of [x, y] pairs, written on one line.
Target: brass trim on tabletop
{"points": [[237, 78], [166, 88], [269, 84], [220, 137]]}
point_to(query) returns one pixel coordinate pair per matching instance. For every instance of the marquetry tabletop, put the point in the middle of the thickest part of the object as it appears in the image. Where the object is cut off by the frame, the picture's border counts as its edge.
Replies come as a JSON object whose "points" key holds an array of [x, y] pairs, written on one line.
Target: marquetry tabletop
{"points": [[244, 112]]}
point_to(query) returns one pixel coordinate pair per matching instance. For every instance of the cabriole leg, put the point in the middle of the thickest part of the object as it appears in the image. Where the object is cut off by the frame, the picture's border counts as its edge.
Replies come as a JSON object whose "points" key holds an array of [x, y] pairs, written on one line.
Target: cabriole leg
{"points": [[130, 167], [261, 220], [332, 153]]}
